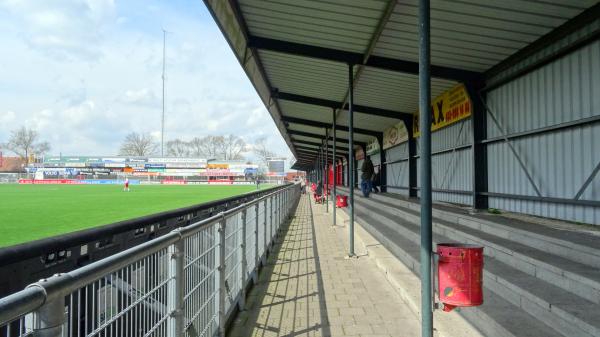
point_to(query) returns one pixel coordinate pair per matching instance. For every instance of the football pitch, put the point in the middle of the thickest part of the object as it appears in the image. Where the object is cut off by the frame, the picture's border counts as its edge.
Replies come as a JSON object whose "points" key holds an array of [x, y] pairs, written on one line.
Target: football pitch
{"points": [[31, 212]]}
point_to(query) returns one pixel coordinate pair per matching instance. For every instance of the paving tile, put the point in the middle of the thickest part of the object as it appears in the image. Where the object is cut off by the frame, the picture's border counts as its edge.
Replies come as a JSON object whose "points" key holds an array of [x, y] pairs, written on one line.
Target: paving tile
{"points": [[309, 288]]}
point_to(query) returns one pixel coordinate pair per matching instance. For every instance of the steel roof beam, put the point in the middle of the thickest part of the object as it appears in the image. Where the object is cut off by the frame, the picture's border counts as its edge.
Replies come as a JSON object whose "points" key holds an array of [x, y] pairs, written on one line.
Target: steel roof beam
{"points": [[316, 144], [313, 151], [321, 137], [409, 67], [307, 147], [335, 105], [307, 122], [343, 141]]}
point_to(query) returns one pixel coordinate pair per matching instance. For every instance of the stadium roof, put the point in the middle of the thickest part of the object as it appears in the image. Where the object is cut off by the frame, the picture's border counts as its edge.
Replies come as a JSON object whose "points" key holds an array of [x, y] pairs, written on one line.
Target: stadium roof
{"points": [[297, 53]]}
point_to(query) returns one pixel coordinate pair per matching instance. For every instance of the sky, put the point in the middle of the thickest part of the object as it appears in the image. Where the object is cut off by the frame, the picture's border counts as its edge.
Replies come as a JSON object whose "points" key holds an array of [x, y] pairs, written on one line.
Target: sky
{"points": [[85, 73]]}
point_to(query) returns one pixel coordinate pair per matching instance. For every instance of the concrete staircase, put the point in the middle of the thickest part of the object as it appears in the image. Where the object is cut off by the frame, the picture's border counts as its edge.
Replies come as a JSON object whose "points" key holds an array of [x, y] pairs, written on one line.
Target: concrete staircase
{"points": [[539, 281]]}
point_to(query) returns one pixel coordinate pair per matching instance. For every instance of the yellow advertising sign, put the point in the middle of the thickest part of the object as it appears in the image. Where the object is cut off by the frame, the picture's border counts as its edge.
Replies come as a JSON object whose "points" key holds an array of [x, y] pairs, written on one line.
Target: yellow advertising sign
{"points": [[218, 166], [395, 135], [448, 108]]}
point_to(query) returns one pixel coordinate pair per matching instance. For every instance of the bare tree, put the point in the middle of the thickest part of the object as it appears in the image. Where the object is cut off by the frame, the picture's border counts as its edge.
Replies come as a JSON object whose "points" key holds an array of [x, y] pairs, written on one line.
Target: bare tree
{"points": [[24, 143], [136, 144], [262, 151], [232, 148], [178, 148], [210, 147], [196, 147]]}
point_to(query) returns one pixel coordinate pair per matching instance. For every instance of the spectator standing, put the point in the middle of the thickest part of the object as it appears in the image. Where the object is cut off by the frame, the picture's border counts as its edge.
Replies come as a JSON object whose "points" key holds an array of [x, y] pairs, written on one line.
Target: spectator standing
{"points": [[375, 181], [367, 174]]}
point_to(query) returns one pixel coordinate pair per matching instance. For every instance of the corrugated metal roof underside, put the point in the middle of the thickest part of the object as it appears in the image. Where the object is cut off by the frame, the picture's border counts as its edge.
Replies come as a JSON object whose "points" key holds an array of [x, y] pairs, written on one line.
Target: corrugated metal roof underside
{"points": [[394, 90], [339, 24], [325, 115], [473, 34], [465, 34], [306, 76], [340, 134]]}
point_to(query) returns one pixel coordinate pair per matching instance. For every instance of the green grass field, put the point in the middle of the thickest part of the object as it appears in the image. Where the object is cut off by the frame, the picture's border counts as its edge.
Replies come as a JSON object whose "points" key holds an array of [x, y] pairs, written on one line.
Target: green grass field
{"points": [[31, 212]]}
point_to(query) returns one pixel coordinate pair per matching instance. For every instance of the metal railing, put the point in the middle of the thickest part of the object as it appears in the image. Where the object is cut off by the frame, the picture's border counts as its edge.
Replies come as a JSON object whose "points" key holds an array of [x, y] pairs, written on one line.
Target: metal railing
{"points": [[185, 283]]}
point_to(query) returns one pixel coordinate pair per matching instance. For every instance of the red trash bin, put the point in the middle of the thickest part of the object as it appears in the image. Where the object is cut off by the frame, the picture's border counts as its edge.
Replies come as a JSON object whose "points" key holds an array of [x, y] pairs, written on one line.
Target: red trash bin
{"points": [[460, 275], [341, 201]]}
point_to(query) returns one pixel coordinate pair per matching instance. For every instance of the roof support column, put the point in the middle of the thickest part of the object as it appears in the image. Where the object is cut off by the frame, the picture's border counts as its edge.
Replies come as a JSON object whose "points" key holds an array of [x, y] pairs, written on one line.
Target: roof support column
{"points": [[425, 127], [478, 150], [333, 195], [326, 171], [382, 167], [351, 154], [412, 161]]}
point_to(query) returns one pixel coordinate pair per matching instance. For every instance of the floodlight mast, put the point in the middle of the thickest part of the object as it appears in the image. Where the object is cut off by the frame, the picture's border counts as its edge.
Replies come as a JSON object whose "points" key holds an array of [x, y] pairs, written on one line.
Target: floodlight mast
{"points": [[162, 124]]}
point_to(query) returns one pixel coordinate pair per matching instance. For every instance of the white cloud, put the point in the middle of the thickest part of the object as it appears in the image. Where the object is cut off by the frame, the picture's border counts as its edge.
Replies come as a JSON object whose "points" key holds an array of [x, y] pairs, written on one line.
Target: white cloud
{"points": [[143, 96], [62, 29], [87, 72]]}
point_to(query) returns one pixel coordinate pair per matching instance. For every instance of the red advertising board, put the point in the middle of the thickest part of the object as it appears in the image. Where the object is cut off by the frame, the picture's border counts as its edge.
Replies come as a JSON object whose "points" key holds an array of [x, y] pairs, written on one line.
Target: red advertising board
{"points": [[174, 182], [49, 181], [220, 182]]}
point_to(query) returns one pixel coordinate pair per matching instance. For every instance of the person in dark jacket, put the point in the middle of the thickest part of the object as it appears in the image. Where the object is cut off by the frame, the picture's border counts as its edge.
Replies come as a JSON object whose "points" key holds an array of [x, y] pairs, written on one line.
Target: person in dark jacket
{"points": [[375, 181], [367, 174], [319, 191]]}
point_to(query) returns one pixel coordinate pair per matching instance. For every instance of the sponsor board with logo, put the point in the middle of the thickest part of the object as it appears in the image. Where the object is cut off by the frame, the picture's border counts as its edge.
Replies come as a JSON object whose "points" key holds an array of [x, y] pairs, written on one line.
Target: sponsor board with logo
{"points": [[217, 166], [114, 160], [174, 182], [48, 181], [217, 172], [372, 147], [395, 135], [114, 165], [148, 166], [144, 173], [448, 108], [220, 182]]}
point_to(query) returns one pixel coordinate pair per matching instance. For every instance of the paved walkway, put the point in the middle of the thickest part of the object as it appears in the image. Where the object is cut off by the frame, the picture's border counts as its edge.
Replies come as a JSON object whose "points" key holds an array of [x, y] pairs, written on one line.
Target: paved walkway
{"points": [[309, 288]]}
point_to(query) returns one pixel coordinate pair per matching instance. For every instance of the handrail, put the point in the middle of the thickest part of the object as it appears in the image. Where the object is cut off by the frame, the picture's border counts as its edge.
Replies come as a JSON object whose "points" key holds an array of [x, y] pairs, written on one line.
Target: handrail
{"points": [[58, 286]]}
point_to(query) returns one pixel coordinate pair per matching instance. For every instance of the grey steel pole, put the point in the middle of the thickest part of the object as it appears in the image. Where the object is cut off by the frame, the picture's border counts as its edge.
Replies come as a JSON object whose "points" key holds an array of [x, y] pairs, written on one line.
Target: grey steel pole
{"points": [[425, 157], [48, 320], [326, 171], [221, 276], [256, 256], [334, 169], [176, 269], [242, 304], [162, 123], [351, 154]]}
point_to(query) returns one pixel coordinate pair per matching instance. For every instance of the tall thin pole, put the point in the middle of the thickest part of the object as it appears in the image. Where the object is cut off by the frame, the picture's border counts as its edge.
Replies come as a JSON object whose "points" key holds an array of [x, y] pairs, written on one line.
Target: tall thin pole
{"points": [[425, 155], [334, 160], [162, 123], [351, 154], [326, 171]]}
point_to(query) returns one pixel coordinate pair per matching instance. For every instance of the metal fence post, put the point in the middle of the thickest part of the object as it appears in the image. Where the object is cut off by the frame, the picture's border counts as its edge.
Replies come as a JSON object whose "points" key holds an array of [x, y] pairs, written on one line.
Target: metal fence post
{"points": [[256, 256], [264, 256], [270, 222], [49, 319], [278, 214], [175, 289], [221, 276], [244, 262]]}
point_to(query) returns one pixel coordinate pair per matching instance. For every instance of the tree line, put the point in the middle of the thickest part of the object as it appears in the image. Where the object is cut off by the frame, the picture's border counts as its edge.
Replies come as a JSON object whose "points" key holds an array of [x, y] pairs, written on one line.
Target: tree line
{"points": [[25, 143], [227, 147]]}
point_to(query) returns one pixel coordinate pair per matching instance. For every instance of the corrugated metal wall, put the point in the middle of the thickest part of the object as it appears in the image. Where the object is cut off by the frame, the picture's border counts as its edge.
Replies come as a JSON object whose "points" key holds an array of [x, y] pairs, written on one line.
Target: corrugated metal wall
{"points": [[565, 90], [397, 173], [451, 170]]}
